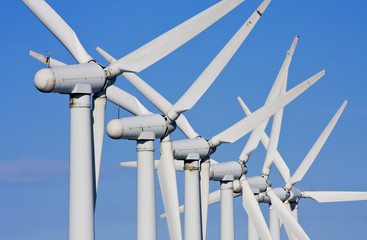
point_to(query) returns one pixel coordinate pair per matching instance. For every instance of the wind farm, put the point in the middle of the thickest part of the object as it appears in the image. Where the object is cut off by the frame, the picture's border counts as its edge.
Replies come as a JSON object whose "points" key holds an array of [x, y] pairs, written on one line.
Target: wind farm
{"points": [[65, 179]]}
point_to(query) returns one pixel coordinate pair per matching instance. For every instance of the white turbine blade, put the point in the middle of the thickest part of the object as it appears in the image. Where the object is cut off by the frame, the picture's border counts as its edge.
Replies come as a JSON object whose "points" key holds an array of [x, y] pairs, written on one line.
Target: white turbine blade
{"points": [[204, 190], [247, 124], [273, 142], [312, 154], [46, 60], [280, 83], [253, 210], [160, 102], [275, 133], [126, 101], [168, 183], [206, 78], [330, 196], [59, 28], [286, 217], [104, 54], [278, 160], [179, 164], [98, 113], [171, 40]]}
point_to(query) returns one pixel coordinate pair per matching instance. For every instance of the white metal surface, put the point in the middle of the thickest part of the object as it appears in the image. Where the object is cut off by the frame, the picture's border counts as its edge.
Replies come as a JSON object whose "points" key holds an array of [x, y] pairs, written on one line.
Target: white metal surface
{"points": [[335, 196], [82, 185], [204, 191], [126, 101], [251, 231], [168, 183], [192, 217], [253, 210], [146, 228], [286, 217], [274, 224], [98, 114], [226, 211]]}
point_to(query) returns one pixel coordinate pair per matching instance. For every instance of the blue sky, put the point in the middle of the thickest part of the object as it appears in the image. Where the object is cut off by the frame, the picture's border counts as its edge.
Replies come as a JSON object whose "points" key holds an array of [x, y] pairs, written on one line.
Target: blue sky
{"points": [[35, 126]]}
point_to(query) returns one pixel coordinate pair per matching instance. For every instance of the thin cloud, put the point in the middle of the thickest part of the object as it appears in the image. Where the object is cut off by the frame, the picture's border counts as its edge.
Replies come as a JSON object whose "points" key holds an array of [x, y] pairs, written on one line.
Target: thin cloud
{"points": [[32, 171]]}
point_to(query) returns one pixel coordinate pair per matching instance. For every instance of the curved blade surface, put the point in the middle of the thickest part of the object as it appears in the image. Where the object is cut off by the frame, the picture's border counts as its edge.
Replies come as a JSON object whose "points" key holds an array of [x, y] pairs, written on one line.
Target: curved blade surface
{"points": [[253, 210], [247, 124], [332, 196], [316, 148], [171, 40], [168, 183], [206, 78], [126, 101], [98, 113], [286, 217], [59, 28]]}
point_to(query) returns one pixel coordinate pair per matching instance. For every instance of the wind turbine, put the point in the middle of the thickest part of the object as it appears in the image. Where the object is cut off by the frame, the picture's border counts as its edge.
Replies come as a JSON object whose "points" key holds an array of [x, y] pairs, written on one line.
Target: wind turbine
{"points": [[146, 129], [193, 150], [291, 195], [230, 172], [87, 77]]}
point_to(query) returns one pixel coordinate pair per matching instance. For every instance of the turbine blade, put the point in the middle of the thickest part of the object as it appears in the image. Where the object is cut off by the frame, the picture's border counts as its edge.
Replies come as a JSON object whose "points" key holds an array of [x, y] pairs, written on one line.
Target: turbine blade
{"points": [[273, 142], [312, 154], [168, 183], [253, 210], [204, 190], [59, 28], [279, 84], [126, 101], [329, 196], [160, 102], [134, 164], [106, 56], [179, 164], [278, 160], [286, 217], [46, 60], [98, 113], [247, 124], [163, 45], [206, 78]]}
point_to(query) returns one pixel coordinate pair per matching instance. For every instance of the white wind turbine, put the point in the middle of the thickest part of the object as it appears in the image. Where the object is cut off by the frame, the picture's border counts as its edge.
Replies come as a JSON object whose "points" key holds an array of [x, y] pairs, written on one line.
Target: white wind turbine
{"points": [[87, 77], [291, 195], [149, 127], [228, 174], [193, 150]]}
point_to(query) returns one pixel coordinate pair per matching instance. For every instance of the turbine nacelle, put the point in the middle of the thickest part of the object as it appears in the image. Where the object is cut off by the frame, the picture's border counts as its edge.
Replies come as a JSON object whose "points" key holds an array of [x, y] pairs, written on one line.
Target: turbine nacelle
{"points": [[295, 195], [192, 149], [83, 78], [227, 171], [281, 193], [146, 127]]}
